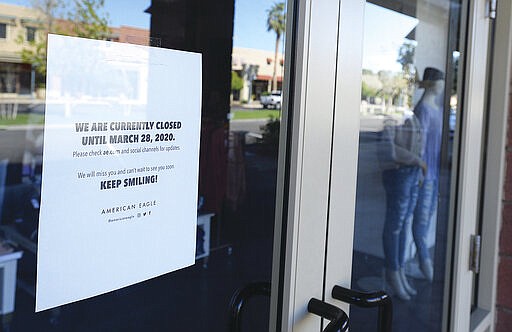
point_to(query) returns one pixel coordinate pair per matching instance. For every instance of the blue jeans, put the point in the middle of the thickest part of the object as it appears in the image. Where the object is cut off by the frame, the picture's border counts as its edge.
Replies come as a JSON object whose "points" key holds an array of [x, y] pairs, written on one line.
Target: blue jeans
{"points": [[402, 186], [425, 208]]}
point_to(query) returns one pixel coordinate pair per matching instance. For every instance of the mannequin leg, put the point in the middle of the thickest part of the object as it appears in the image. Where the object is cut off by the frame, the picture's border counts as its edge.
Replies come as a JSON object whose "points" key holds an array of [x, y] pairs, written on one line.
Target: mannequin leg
{"points": [[422, 216], [398, 204], [413, 198]]}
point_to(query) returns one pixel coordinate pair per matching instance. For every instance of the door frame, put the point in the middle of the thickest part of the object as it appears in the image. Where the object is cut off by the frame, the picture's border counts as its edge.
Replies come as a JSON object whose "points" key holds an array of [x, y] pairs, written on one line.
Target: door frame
{"points": [[484, 315], [467, 188], [313, 250], [304, 172]]}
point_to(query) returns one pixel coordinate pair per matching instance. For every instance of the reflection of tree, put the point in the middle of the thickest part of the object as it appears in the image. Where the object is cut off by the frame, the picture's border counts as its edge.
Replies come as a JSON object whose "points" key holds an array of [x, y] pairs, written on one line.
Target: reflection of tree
{"points": [[276, 23], [406, 55], [49, 10], [395, 88], [385, 85], [367, 91], [84, 19], [393, 84], [88, 23], [237, 83]]}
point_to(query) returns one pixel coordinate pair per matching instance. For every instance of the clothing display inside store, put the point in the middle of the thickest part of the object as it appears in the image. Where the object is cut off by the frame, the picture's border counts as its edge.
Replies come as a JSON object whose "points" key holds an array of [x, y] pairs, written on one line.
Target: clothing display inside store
{"points": [[404, 168]]}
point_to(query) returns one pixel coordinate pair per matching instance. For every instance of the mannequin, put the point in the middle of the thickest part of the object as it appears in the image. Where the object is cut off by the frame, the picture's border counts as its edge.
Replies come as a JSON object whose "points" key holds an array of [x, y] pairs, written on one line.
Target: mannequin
{"points": [[429, 111], [400, 177], [411, 185]]}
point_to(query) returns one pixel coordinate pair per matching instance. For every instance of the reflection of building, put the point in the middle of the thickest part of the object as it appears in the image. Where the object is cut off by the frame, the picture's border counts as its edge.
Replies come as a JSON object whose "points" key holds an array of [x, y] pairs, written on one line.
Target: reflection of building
{"points": [[130, 35], [243, 58], [21, 25], [18, 26], [122, 34]]}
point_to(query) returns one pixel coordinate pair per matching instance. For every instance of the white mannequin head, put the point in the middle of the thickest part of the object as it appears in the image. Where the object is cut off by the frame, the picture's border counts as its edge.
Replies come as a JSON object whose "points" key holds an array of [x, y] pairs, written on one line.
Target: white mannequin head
{"points": [[434, 87]]}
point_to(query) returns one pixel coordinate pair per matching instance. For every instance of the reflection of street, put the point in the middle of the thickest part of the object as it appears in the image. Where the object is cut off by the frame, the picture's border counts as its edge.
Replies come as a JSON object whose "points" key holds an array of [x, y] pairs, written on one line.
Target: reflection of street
{"points": [[368, 123], [375, 123], [253, 105], [20, 112], [247, 125], [251, 126], [22, 104]]}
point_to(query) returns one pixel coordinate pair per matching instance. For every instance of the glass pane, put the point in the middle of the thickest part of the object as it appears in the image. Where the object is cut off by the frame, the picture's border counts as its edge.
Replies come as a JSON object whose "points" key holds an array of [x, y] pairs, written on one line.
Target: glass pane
{"points": [[242, 47], [31, 34], [409, 104], [3, 30]]}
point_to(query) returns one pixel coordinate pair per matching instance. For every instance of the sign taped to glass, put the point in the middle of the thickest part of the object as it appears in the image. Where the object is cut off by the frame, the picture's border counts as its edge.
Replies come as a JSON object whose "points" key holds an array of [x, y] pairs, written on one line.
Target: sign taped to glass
{"points": [[121, 159]]}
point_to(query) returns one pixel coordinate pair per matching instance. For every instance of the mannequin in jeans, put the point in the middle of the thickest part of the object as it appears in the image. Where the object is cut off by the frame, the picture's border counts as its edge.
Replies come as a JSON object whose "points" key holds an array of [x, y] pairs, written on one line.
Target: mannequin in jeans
{"points": [[401, 176], [429, 111], [411, 186]]}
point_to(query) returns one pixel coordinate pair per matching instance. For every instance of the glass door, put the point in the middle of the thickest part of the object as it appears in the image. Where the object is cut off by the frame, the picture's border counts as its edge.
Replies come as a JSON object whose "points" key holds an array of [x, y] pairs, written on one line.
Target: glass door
{"points": [[405, 163], [411, 100]]}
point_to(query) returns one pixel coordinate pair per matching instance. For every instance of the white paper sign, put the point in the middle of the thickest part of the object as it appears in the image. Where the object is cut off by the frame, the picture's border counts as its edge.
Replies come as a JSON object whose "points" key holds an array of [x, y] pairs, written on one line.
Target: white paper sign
{"points": [[120, 167]]}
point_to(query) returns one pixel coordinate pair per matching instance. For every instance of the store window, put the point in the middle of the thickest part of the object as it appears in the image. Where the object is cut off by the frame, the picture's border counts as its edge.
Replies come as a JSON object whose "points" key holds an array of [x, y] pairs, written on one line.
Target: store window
{"points": [[31, 34], [237, 173], [3, 31]]}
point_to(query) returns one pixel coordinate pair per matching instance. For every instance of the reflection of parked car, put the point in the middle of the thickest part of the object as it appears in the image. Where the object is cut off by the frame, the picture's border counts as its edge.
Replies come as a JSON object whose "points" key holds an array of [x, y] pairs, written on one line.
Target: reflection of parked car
{"points": [[37, 108], [271, 100]]}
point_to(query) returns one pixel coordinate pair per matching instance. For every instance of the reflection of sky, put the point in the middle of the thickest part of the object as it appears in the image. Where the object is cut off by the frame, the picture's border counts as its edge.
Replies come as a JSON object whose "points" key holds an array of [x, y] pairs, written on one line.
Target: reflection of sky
{"points": [[128, 12], [387, 28], [384, 33], [250, 28]]}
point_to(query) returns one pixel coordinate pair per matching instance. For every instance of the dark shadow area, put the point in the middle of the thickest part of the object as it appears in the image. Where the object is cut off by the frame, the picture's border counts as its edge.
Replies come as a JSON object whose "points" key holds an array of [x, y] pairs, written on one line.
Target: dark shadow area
{"points": [[192, 299]]}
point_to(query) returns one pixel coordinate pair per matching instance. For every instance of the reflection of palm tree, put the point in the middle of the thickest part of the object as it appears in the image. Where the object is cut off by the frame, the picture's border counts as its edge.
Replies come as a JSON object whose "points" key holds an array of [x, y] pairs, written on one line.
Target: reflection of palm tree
{"points": [[276, 23]]}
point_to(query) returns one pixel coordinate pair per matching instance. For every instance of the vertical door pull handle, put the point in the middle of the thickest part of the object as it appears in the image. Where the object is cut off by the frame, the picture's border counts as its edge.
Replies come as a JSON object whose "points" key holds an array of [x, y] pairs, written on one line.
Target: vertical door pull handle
{"points": [[368, 300], [240, 297], [338, 318]]}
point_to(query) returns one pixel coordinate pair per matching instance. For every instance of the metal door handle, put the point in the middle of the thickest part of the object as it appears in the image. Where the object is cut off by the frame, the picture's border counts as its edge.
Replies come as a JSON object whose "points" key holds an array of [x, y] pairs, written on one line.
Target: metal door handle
{"points": [[338, 318], [240, 297], [368, 300]]}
